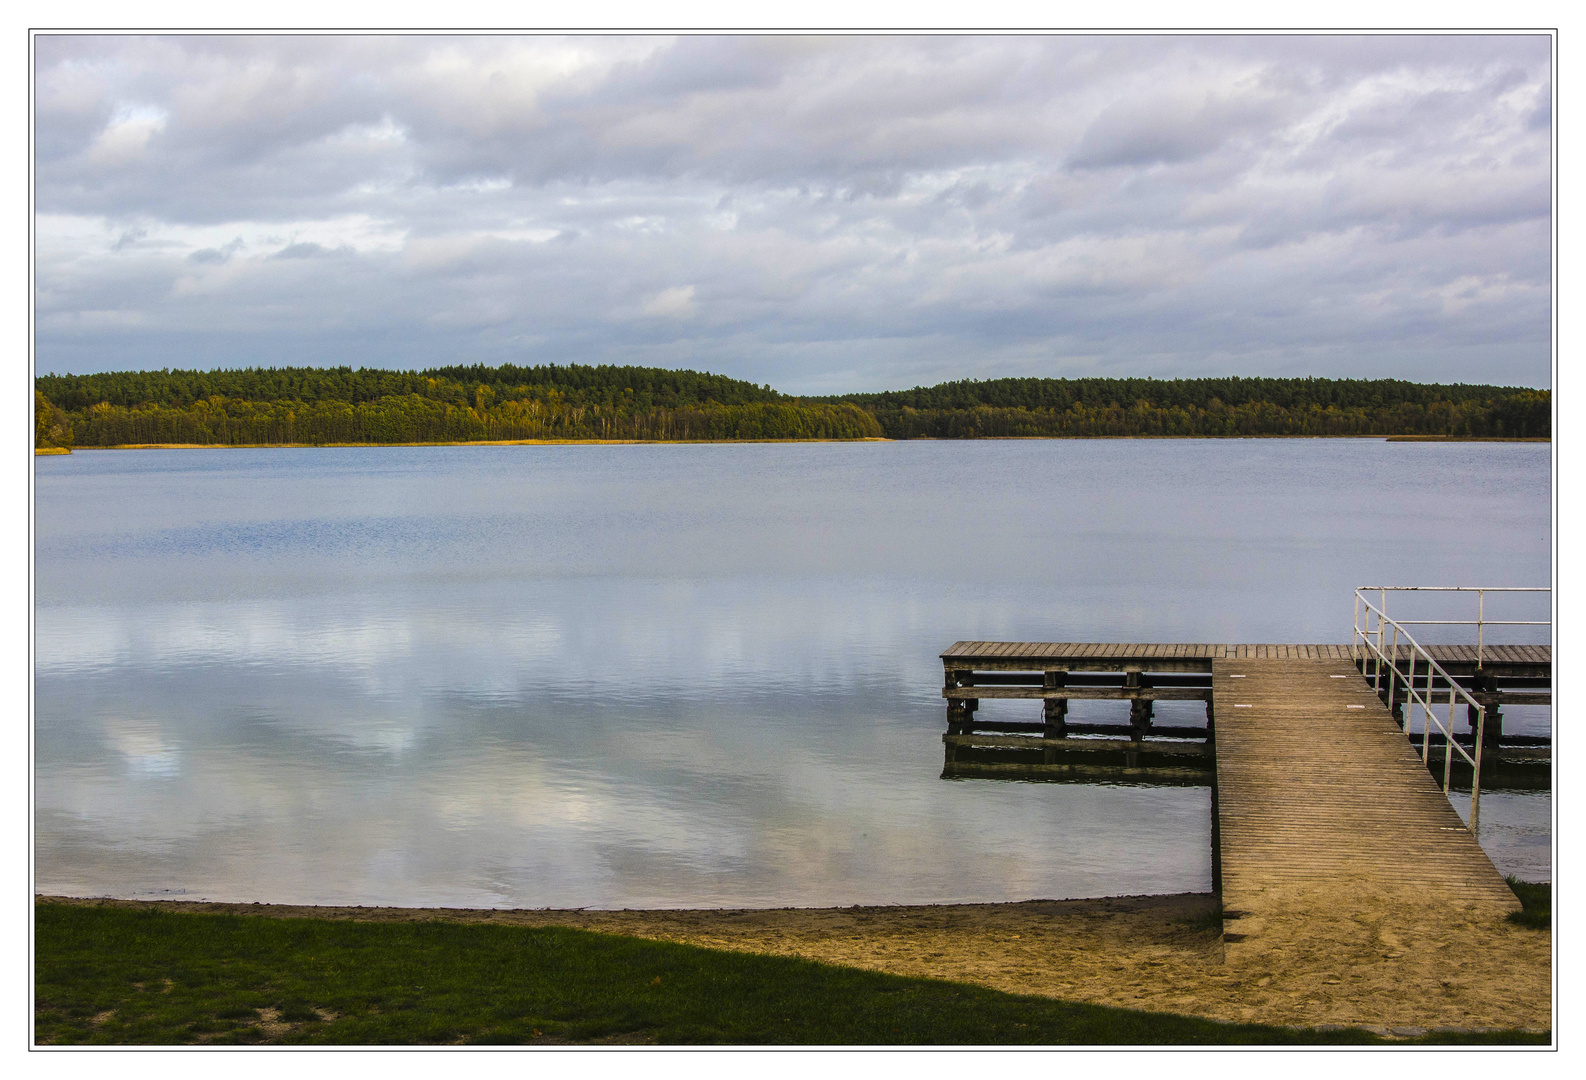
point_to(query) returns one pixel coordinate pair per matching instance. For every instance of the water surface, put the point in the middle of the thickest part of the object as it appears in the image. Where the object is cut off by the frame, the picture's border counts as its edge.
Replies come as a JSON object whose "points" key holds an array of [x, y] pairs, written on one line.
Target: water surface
{"points": [[697, 675]]}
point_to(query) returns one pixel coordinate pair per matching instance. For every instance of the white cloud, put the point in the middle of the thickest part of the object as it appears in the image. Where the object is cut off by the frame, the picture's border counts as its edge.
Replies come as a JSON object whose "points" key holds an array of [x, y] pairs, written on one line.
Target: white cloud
{"points": [[673, 303], [126, 137]]}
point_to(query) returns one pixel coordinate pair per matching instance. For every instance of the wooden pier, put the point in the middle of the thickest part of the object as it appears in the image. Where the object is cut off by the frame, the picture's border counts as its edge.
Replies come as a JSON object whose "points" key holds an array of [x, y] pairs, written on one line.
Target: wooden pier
{"points": [[1320, 802], [1143, 674]]}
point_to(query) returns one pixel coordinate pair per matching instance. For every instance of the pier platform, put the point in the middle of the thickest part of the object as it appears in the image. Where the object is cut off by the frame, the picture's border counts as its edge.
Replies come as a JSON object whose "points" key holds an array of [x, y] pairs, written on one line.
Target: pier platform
{"points": [[1145, 751]]}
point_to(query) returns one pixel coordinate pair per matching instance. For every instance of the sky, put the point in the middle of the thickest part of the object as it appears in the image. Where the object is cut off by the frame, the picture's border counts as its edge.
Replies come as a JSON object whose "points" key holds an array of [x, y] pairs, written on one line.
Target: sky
{"points": [[822, 214]]}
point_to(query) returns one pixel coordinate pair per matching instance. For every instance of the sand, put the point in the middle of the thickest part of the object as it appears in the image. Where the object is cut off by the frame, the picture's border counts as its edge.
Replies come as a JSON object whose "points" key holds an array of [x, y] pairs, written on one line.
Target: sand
{"points": [[1397, 970]]}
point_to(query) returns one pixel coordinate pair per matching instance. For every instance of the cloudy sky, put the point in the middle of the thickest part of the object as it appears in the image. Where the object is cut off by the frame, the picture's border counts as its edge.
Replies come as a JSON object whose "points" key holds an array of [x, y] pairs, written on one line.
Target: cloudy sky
{"points": [[824, 215]]}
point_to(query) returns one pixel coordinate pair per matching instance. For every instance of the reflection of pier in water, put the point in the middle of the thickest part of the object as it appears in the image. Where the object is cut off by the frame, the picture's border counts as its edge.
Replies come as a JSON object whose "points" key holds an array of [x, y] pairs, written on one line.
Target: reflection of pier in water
{"points": [[1142, 751]]}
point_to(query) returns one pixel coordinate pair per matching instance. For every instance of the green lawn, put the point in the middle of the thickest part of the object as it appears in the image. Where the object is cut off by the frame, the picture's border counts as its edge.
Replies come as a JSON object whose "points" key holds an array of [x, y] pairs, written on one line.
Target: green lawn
{"points": [[113, 975]]}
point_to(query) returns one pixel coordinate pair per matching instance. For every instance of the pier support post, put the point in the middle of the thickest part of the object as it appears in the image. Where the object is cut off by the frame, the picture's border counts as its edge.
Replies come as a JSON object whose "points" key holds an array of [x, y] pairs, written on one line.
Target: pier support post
{"points": [[1053, 713], [1140, 709], [957, 709], [1493, 730], [1492, 733]]}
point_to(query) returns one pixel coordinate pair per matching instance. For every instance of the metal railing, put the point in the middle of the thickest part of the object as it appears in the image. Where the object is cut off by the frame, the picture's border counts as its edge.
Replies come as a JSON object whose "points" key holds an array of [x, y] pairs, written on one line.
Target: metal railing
{"points": [[1372, 641], [1480, 622]]}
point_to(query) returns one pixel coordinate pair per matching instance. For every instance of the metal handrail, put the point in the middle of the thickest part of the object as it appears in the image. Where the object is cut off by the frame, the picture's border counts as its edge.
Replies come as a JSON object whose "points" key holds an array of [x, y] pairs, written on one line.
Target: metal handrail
{"points": [[1480, 622], [1363, 635]]}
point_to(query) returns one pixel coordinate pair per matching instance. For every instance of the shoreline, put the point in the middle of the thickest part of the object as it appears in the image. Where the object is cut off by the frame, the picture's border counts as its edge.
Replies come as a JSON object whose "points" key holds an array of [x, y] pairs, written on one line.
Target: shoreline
{"points": [[745, 442], [1158, 953], [1463, 438]]}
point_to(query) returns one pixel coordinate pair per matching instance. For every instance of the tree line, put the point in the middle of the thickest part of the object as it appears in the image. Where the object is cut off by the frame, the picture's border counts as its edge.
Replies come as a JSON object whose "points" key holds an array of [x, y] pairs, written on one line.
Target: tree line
{"points": [[1207, 407], [413, 418], [644, 388], [469, 404], [1526, 415]]}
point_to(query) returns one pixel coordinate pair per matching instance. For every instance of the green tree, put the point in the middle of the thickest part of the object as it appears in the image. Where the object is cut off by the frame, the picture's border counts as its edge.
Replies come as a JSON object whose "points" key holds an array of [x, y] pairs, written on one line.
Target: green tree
{"points": [[51, 426]]}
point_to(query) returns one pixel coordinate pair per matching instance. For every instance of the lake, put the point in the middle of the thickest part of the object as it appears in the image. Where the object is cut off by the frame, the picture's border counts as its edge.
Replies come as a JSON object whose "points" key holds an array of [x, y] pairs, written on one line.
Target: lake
{"points": [[680, 675]]}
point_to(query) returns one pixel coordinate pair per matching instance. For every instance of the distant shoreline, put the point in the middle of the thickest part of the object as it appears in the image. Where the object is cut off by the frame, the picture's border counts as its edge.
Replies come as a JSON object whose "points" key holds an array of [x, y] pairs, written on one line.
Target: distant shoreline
{"points": [[1462, 438], [678, 442]]}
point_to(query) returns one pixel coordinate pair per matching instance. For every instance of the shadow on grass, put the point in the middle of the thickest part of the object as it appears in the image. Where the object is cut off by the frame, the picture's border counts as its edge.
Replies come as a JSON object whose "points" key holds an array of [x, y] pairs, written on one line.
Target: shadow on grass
{"points": [[120, 976], [1536, 903]]}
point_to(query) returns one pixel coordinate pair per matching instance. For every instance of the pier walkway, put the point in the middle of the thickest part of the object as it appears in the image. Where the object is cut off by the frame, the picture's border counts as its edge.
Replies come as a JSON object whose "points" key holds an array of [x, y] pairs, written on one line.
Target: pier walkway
{"points": [[1324, 808]]}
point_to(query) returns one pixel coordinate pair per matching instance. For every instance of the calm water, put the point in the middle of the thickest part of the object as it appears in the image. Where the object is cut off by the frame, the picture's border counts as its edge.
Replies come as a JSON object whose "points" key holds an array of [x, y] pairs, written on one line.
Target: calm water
{"points": [[614, 676]]}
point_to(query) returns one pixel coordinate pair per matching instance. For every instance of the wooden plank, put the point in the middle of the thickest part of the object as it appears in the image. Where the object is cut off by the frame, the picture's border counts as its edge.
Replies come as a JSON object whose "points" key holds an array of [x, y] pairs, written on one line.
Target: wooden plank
{"points": [[1070, 655], [1085, 693]]}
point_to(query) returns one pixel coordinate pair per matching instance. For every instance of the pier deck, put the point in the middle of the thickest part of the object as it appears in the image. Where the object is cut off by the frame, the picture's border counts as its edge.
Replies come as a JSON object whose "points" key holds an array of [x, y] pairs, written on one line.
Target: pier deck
{"points": [[1035, 655], [1325, 818]]}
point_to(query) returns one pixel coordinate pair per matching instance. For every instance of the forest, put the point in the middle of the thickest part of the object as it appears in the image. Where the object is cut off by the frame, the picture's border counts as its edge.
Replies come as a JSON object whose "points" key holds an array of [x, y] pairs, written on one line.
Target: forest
{"points": [[316, 406], [1207, 407]]}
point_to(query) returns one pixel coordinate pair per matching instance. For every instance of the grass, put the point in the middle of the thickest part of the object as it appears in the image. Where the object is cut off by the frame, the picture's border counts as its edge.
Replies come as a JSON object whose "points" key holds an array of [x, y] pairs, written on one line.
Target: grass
{"points": [[1536, 903], [118, 976]]}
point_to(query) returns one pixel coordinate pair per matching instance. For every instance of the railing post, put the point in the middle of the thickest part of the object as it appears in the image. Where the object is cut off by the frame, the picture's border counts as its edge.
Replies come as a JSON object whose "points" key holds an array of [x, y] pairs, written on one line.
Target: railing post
{"points": [[1382, 630], [1393, 676], [1376, 674], [1481, 616], [1354, 639], [1448, 747], [1475, 777], [1426, 714]]}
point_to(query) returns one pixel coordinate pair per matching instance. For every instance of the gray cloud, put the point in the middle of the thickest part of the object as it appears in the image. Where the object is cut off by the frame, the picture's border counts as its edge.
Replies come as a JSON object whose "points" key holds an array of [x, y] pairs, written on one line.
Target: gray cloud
{"points": [[309, 250], [819, 213]]}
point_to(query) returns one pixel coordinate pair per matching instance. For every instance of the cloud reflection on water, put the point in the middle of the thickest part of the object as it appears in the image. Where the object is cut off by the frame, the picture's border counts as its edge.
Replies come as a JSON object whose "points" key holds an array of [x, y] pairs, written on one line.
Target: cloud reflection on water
{"points": [[753, 720]]}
